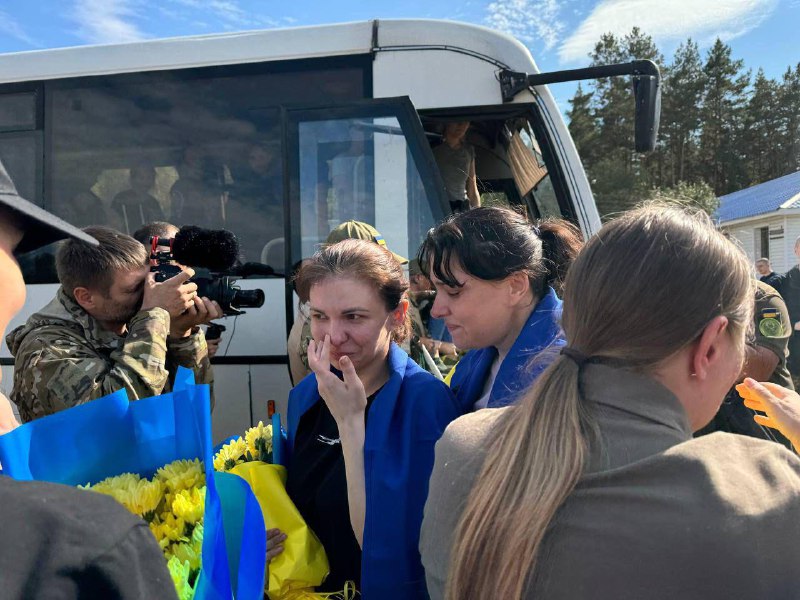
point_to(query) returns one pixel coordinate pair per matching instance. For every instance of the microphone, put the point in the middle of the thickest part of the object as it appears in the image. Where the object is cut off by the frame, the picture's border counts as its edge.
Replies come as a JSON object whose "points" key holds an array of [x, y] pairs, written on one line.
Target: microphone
{"points": [[212, 249], [249, 269]]}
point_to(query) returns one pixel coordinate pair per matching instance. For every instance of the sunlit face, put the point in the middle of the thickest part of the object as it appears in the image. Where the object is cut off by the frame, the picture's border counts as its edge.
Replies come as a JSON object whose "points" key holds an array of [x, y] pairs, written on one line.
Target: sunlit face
{"points": [[355, 317], [473, 315], [763, 268], [123, 299]]}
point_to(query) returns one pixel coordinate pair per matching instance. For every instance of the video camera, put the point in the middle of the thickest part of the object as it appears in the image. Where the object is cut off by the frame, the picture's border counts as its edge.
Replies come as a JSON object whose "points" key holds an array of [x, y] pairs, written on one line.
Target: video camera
{"points": [[213, 255]]}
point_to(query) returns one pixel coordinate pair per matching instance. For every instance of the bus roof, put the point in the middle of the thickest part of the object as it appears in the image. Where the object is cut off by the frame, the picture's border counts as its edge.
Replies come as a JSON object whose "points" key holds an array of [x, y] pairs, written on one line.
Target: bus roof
{"points": [[266, 45]]}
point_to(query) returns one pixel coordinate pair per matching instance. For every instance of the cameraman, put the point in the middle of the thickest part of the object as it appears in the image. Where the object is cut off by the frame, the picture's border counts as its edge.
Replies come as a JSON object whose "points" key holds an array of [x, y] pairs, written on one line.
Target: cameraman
{"points": [[111, 326]]}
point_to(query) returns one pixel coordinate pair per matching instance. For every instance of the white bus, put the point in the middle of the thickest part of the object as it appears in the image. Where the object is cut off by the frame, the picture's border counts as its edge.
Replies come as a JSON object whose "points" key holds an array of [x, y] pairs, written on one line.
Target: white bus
{"points": [[278, 135]]}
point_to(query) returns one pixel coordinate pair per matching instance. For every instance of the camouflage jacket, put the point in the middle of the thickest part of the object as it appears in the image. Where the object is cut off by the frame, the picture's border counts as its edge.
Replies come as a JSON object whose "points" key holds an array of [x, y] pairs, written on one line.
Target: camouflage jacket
{"points": [[63, 357]]}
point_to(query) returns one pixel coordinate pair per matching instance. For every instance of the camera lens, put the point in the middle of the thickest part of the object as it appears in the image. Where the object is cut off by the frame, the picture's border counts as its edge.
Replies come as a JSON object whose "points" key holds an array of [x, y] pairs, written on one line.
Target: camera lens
{"points": [[248, 298]]}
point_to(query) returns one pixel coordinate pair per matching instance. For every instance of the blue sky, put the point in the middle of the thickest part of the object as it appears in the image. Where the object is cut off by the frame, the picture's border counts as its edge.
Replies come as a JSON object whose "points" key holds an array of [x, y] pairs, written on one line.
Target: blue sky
{"points": [[559, 33]]}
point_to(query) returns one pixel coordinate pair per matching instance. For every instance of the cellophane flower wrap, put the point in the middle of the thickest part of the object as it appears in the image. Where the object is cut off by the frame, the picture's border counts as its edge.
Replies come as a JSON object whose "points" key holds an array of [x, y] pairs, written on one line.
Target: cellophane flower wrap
{"points": [[303, 564], [155, 455]]}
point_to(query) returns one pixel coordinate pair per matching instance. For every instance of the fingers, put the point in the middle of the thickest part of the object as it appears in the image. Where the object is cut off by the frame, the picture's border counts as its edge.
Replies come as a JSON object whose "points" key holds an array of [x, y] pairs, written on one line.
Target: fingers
{"points": [[181, 277], [201, 309], [325, 351], [274, 552], [349, 372], [275, 539], [214, 310], [319, 355], [311, 353], [765, 421]]}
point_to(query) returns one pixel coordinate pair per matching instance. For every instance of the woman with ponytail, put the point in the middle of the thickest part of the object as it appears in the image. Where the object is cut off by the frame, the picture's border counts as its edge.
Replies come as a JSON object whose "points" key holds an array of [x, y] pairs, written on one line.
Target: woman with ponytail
{"points": [[592, 486], [495, 274]]}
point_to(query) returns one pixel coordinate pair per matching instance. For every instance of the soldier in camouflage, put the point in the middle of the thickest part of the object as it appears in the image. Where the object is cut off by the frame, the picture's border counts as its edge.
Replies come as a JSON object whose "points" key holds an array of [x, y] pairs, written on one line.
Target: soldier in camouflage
{"points": [[110, 327]]}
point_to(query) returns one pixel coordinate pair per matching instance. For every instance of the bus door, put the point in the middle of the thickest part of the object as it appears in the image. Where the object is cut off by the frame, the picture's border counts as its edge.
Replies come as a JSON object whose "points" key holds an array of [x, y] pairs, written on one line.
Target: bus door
{"points": [[366, 161]]}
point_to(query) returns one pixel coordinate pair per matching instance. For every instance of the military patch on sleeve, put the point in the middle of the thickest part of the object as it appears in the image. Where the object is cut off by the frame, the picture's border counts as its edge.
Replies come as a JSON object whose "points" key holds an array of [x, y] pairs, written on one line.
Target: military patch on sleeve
{"points": [[770, 323]]}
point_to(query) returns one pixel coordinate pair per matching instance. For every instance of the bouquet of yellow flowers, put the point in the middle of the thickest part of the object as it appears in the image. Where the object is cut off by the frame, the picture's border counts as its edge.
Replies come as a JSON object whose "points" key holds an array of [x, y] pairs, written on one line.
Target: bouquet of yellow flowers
{"points": [[303, 565], [208, 524], [173, 504]]}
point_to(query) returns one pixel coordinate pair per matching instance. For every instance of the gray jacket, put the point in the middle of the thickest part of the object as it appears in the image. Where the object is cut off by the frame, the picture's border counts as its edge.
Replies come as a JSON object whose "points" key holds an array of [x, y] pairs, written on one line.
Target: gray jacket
{"points": [[658, 515]]}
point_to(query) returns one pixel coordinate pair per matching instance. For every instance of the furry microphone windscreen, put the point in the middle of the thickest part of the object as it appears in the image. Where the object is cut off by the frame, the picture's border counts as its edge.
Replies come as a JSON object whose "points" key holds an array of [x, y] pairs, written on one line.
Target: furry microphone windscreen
{"points": [[212, 249]]}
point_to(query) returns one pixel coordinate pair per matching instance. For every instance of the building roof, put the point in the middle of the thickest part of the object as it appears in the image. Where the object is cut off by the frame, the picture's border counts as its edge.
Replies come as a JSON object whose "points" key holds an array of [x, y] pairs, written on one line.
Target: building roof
{"points": [[768, 197]]}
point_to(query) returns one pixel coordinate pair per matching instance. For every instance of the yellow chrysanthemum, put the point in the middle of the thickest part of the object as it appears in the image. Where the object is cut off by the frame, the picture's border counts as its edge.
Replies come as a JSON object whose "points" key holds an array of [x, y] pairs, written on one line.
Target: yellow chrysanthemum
{"points": [[172, 528], [189, 505], [180, 571], [230, 455], [259, 441], [186, 554], [145, 497], [158, 533], [197, 537], [182, 475]]}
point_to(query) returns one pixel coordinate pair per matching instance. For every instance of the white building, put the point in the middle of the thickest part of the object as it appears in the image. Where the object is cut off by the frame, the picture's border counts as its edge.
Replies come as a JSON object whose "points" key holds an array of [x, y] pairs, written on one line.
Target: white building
{"points": [[765, 218]]}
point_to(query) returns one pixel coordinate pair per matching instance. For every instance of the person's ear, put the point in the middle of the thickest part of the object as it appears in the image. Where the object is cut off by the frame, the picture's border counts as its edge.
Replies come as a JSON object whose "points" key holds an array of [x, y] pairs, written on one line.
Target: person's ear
{"points": [[518, 286], [399, 313], [707, 351], [84, 297]]}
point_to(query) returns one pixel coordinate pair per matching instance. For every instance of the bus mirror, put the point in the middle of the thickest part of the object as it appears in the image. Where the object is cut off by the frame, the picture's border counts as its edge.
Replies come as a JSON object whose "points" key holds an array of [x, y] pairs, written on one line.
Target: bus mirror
{"points": [[646, 91], [647, 95]]}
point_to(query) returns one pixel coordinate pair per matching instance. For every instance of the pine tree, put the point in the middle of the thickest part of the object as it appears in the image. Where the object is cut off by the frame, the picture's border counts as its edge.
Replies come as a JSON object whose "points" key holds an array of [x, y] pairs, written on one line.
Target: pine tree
{"points": [[789, 102], [680, 112], [722, 115], [582, 126], [763, 141]]}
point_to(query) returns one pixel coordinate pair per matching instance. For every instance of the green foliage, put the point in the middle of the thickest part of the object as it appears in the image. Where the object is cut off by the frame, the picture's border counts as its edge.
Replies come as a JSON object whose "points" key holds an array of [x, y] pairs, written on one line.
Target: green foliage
{"points": [[719, 133], [698, 195]]}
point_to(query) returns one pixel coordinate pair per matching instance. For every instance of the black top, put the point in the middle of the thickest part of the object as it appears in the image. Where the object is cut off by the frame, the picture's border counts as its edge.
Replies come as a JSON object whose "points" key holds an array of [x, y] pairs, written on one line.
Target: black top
{"points": [[772, 279], [62, 542], [317, 484]]}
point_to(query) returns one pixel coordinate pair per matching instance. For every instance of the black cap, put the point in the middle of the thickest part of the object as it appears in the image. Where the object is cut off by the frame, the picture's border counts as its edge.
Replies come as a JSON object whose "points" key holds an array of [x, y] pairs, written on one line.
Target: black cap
{"points": [[41, 227]]}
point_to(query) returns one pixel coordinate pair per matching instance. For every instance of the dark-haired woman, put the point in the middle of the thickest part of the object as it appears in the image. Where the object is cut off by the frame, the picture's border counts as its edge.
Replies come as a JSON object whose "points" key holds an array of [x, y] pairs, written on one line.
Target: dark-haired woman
{"points": [[362, 426], [494, 274], [592, 486]]}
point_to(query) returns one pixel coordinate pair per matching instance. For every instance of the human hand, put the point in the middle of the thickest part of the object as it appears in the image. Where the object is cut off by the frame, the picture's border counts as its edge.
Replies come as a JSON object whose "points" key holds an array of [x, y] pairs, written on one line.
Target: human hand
{"points": [[213, 347], [275, 539], [174, 295], [448, 349], [782, 407], [201, 312], [346, 399]]}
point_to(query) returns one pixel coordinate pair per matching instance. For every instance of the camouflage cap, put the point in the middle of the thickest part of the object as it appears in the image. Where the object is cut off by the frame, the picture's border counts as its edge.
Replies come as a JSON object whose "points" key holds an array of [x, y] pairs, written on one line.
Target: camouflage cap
{"points": [[358, 230], [41, 227]]}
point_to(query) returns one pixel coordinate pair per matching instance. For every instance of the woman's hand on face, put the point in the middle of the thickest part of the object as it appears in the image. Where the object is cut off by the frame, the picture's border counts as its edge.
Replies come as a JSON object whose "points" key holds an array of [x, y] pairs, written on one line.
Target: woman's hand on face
{"points": [[275, 539], [346, 399], [782, 407]]}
